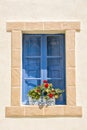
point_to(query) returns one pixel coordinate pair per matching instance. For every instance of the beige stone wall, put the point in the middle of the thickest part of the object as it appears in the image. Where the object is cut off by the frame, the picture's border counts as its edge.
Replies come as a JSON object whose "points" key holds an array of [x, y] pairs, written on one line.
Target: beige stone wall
{"points": [[40, 10]]}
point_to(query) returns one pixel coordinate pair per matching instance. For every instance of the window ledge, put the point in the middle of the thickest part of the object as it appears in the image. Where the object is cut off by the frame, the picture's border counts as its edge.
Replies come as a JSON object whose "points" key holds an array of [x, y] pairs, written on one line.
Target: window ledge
{"points": [[46, 111]]}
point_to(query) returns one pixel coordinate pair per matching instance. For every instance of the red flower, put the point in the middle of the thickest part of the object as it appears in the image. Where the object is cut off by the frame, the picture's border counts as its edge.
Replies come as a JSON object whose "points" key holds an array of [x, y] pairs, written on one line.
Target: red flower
{"points": [[50, 95], [46, 85], [44, 81]]}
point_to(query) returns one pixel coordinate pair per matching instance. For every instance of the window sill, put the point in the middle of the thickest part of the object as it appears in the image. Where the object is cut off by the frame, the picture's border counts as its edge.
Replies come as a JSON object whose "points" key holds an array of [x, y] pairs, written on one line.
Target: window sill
{"points": [[50, 111]]}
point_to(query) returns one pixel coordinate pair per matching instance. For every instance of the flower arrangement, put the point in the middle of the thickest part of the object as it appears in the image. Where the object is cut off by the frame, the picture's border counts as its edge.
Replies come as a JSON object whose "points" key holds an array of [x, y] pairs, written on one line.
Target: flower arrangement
{"points": [[46, 90]]}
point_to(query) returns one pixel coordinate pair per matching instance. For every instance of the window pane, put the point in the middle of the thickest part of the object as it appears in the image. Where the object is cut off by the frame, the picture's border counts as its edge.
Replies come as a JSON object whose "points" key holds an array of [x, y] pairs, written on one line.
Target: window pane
{"points": [[32, 68], [31, 83], [53, 68], [32, 45], [57, 83], [53, 46]]}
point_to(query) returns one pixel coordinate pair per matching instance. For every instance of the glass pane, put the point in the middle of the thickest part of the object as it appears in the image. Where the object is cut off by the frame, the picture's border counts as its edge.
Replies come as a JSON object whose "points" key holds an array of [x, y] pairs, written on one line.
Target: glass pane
{"points": [[31, 83], [53, 68], [33, 46], [32, 68], [53, 46], [56, 83]]}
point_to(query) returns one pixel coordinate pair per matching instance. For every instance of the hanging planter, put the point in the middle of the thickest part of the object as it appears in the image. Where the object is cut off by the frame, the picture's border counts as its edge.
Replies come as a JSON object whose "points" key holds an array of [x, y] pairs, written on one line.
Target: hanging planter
{"points": [[44, 94]]}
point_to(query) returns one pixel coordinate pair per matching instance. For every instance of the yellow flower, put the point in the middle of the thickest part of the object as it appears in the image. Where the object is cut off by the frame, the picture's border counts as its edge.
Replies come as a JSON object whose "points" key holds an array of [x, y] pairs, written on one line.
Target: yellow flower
{"points": [[47, 90], [56, 96], [53, 89], [50, 85]]}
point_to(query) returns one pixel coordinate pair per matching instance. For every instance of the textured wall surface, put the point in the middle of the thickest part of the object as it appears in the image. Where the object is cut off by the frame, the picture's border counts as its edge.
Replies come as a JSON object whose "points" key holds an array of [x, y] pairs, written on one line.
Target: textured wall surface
{"points": [[41, 10]]}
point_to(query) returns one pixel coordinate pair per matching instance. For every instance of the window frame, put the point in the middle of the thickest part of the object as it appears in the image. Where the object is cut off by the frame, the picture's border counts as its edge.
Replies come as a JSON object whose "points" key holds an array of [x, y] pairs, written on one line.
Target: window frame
{"points": [[17, 29]]}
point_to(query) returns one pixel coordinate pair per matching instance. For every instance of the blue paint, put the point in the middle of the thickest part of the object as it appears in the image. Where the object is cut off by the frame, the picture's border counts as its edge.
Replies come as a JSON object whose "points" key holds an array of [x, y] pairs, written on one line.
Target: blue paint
{"points": [[43, 57]]}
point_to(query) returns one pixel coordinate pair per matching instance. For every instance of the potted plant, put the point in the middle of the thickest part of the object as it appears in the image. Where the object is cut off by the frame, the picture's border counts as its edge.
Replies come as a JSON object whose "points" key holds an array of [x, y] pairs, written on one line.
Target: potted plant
{"points": [[44, 94]]}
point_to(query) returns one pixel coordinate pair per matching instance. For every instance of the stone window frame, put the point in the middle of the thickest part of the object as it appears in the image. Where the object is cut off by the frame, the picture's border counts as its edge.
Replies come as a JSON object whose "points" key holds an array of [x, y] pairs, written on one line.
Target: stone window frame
{"points": [[17, 29]]}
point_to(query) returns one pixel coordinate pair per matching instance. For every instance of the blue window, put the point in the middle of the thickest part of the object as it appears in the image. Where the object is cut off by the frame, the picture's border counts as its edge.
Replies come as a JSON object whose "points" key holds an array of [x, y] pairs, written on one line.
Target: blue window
{"points": [[43, 58]]}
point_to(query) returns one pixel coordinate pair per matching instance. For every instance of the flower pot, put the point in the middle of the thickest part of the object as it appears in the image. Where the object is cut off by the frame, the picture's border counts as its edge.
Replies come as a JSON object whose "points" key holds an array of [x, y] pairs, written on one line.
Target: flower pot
{"points": [[42, 101], [33, 101], [50, 101]]}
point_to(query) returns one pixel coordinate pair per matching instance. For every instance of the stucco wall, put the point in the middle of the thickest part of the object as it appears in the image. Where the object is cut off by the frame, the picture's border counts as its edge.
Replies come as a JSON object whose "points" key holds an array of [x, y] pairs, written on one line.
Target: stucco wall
{"points": [[40, 10]]}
